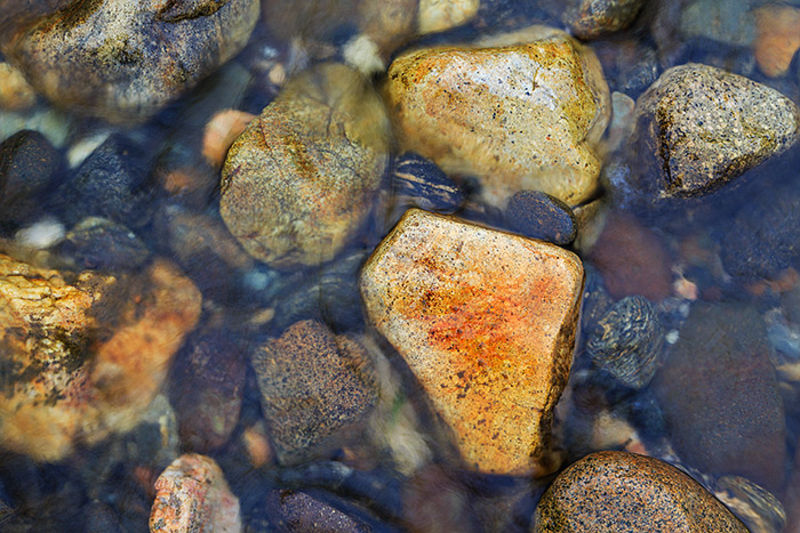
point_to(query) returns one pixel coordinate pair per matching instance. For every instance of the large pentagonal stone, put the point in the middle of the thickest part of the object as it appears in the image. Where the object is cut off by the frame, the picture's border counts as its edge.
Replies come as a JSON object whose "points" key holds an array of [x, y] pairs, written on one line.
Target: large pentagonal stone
{"points": [[486, 322]]}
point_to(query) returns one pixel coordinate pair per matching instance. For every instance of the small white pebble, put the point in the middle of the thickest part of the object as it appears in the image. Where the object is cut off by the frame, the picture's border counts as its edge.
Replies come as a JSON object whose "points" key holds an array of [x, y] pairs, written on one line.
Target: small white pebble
{"points": [[672, 336], [80, 150], [362, 53], [684, 309], [256, 281], [42, 234]]}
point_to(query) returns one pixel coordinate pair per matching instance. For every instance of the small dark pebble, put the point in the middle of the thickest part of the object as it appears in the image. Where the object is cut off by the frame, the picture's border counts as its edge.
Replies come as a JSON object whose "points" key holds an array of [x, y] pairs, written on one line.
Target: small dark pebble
{"points": [[112, 182], [100, 518], [418, 181], [627, 341], [206, 385], [28, 165], [541, 216], [101, 244], [301, 513]]}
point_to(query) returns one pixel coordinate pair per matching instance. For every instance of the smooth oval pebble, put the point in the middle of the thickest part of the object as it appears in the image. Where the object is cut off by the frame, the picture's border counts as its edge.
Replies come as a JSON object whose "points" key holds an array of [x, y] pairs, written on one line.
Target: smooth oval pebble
{"points": [[627, 341], [541, 216], [619, 491], [418, 181]]}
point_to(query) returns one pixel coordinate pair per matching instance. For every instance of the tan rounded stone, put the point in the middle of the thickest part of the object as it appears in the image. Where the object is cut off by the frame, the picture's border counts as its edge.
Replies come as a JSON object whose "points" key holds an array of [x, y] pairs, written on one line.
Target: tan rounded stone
{"points": [[777, 38], [619, 491], [440, 15], [486, 321], [302, 176], [15, 92], [524, 110]]}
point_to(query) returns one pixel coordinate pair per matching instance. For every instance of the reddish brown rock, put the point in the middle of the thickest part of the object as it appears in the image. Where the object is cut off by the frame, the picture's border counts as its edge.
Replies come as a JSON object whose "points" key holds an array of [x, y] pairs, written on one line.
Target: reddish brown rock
{"points": [[632, 259], [777, 38], [521, 111], [83, 355], [192, 495], [486, 321], [620, 491]]}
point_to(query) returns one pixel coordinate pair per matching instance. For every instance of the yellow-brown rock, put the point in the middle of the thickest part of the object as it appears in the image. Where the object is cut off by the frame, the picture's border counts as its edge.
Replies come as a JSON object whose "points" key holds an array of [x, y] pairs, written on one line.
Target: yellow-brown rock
{"points": [[486, 321], [521, 111], [83, 355], [302, 176], [440, 15], [777, 38]]}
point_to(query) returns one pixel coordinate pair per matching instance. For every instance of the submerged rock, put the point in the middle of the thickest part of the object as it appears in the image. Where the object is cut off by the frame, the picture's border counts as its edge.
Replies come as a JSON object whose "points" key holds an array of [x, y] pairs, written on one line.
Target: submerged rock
{"points": [[301, 178], [699, 127], [589, 19], [620, 491], [84, 354], [28, 166], [721, 402], [541, 216], [419, 182], [314, 386], [101, 244], [123, 60], [521, 111], [486, 321], [192, 495]]}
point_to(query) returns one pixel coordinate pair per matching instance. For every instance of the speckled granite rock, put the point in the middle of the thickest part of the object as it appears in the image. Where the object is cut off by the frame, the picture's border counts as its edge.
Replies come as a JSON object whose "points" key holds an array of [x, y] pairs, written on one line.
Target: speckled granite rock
{"points": [[192, 495], [721, 402], [699, 127], [588, 19], [486, 321], [83, 355], [619, 491], [523, 110], [314, 386], [301, 177], [29, 165], [123, 60]]}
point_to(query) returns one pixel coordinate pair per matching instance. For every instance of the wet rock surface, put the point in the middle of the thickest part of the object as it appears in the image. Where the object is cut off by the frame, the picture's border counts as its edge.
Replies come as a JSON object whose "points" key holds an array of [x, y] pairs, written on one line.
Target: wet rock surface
{"points": [[721, 403], [418, 182], [28, 166], [541, 216], [100, 244], [619, 491], [82, 359], [193, 495], [486, 321], [474, 110], [122, 60], [588, 19], [314, 386], [299, 181], [699, 127]]}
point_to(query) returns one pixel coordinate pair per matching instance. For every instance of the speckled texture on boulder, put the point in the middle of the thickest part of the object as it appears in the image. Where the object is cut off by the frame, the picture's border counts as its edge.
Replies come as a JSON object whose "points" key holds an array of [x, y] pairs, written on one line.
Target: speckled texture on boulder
{"points": [[302, 176], [83, 355], [123, 60], [192, 495], [699, 127], [486, 321], [521, 111], [721, 402], [314, 385], [619, 491]]}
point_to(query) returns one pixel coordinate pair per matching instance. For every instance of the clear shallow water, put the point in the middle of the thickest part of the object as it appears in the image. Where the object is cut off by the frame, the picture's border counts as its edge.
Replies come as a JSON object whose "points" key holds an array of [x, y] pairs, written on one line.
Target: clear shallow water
{"points": [[110, 485]]}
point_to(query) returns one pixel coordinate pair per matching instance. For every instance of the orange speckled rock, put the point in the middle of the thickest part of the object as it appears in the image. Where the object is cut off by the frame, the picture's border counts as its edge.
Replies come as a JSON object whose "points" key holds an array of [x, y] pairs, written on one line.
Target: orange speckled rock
{"points": [[192, 495], [521, 111], [486, 321], [83, 355], [620, 491]]}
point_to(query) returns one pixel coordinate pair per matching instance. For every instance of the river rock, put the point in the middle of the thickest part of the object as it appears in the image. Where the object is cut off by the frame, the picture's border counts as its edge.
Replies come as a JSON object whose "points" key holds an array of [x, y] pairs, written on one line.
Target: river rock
{"points": [[726, 21], [314, 387], [589, 19], [123, 60], [699, 127], [521, 111], [101, 244], [620, 491], [301, 178], [84, 354], [440, 15], [16, 94], [721, 402], [777, 38], [206, 384], [28, 166], [541, 216], [192, 495], [486, 322]]}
